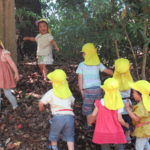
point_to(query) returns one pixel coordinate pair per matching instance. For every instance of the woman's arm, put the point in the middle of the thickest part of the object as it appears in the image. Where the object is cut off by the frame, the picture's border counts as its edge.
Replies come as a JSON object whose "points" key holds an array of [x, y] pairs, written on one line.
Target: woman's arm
{"points": [[29, 38], [12, 65]]}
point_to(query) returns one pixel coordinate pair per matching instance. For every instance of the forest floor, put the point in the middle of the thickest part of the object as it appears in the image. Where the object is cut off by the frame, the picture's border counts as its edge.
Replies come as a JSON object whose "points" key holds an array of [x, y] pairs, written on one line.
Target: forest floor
{"points": [[26, 128]]}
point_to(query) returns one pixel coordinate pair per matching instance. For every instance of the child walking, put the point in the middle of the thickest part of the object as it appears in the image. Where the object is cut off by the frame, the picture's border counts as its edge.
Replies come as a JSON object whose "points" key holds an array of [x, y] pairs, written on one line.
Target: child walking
{"points": [[141, 114], [61, 100], [123, 76], [108, 116], [7, 78], [45, 41], [89, 79]]}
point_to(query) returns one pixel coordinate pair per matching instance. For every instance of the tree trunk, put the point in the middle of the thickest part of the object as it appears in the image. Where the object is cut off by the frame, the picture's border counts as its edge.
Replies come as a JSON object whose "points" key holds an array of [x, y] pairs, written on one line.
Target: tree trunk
{"points": [[117, 49], [7, 26], [145, 49]]}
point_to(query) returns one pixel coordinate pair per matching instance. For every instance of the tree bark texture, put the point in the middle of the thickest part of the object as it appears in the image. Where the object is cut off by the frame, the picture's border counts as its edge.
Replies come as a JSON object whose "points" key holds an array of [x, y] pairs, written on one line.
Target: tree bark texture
{"points": [[7, 26]]}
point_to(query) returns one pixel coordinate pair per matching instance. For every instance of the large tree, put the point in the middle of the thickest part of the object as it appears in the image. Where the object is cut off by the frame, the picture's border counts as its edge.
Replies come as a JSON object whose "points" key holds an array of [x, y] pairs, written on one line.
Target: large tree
{"points": [[7, 25]]}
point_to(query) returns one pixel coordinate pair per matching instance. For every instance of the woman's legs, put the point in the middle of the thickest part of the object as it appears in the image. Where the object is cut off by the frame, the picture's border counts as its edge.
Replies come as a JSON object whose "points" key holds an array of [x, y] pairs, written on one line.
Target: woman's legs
{"points": [[11, 98], [105, 146]]}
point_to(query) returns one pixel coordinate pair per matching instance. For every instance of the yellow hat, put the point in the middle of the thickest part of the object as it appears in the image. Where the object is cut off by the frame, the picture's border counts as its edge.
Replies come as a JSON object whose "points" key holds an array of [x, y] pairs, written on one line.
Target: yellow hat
{"points": [[112, 97], [60, 84], [91, 56], [122, 73], [1, 44], [143, 87]]}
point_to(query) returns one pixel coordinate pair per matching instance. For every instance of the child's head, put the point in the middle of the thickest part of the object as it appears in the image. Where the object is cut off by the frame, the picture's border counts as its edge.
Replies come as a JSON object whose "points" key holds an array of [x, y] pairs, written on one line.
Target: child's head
{"points": [[42, 26], [1, 45], [122, 73], [90, 54], [60, 84], [112, 97], [141, 91]]}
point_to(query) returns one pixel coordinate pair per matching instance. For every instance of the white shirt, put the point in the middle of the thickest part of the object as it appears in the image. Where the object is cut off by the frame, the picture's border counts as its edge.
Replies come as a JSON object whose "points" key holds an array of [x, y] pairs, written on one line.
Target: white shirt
{"points": [[57, 103], [43, 44]]}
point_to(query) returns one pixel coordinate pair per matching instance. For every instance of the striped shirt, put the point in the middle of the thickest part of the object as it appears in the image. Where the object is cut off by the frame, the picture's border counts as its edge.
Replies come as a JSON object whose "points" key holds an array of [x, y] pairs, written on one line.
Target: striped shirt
{"points": [[91, 76]]}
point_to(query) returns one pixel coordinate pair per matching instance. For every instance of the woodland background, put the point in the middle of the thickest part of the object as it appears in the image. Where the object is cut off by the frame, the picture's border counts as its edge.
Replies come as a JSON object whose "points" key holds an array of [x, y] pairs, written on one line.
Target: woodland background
{"points": [[118, 28]]}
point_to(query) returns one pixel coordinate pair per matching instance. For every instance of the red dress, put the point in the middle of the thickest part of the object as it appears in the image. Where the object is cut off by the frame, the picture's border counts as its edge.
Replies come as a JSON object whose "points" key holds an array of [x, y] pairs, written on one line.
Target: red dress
{"points": [[108, 129], [6, 75]]}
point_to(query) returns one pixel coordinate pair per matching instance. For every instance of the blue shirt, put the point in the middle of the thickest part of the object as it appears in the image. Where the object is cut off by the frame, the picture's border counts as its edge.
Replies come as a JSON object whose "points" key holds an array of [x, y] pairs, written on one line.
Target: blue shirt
{"points": [[91, 76]]}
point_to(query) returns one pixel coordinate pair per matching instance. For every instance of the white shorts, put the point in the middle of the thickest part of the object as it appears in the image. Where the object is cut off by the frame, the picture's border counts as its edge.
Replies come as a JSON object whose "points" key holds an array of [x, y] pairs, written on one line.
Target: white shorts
{"points": [[48, 60]]}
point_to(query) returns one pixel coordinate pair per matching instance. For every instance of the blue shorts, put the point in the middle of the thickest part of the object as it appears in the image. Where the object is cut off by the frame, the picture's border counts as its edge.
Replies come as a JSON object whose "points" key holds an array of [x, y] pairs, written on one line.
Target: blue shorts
{"points": [[62, 126], [89, 97]]}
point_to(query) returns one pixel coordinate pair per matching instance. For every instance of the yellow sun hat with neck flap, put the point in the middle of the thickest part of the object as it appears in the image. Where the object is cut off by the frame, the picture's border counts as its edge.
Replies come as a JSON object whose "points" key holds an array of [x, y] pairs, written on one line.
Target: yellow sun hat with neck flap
{"points": [[91, 57], [122, 74], [112, 97], [59, 83], [1, 44], [143, 87]]}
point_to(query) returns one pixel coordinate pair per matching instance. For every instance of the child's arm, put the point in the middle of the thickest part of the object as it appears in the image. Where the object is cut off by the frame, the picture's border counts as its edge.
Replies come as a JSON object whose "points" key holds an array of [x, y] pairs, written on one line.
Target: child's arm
{"points": [[93, 116], [131, 114], [29, 38], [80, 83], [12, 65], [53, 43], [108, 71], [41, 106], [121, 120]]}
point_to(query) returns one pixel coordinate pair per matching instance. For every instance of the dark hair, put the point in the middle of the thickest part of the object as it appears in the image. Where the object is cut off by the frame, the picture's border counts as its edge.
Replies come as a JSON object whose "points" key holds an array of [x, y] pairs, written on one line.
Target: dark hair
{"points": [[131, 94], [42, 22]]}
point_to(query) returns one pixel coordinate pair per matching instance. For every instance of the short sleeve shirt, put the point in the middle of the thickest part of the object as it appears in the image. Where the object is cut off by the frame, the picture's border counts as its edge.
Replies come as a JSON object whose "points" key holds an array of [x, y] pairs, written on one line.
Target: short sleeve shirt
{"points": [[91, 76], [43, 44], [57, 104]]}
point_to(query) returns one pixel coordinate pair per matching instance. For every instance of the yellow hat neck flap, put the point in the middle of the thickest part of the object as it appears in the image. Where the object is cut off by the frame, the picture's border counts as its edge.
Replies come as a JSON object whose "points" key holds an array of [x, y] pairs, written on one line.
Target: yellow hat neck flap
{"points": [[143, 87], [90, 54], [1, 44], [122, 74], [60, 84], [112, 97]]}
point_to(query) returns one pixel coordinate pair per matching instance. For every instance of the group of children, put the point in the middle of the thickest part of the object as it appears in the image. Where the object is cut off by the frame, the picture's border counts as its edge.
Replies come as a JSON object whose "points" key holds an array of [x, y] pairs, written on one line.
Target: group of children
{"points": [[112, 111]]}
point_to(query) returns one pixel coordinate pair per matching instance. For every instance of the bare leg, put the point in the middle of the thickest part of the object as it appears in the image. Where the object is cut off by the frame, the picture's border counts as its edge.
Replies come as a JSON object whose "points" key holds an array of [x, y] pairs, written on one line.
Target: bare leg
{"points": [[70, 145], [54, 145], [43, 70]]}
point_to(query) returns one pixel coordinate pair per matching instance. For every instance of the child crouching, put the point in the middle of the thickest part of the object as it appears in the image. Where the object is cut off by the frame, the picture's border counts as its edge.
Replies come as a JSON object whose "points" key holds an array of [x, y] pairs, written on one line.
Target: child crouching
{"points": [[61, 100]]}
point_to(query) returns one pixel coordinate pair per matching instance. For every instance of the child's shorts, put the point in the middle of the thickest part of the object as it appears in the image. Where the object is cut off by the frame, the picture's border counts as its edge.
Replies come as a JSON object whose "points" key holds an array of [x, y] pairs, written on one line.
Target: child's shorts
{"points": [[89, 97], [48, 60], [62, 126]]}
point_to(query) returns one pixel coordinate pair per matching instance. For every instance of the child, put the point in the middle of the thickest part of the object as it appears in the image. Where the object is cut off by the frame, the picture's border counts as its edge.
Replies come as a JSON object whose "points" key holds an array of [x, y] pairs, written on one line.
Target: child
{"points": [[45, 41], [108, 116], [141, 114], [7, 78], [123, 76], [61, 100], [89, 79]]}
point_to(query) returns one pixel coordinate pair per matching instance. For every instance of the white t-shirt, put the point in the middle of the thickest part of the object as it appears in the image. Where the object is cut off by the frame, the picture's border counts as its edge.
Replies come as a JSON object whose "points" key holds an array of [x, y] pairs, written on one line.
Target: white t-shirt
{"points": [[57, 103], [43, 44]]}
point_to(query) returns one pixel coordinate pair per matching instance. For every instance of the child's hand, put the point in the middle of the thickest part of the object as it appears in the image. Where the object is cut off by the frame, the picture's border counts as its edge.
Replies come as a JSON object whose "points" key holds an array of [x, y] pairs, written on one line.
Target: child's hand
{"points": [[17, 76], [25, 38], [57, 49], [127, 105]]}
